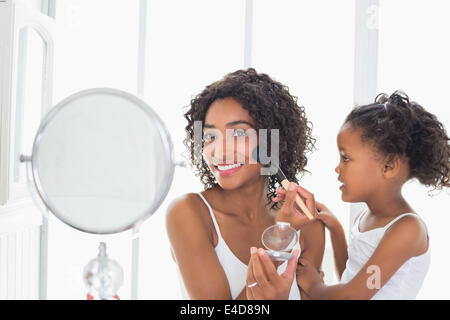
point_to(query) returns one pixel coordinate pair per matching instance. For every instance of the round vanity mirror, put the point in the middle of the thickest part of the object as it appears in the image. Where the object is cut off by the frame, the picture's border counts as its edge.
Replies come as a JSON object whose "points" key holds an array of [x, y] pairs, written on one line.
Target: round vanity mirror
{"points": [[102, 161]]}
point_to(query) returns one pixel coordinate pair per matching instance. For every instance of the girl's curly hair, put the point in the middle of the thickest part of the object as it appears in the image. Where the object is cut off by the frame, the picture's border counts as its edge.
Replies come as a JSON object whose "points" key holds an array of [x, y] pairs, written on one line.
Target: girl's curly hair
{"points": [[271, 105], [397, 126]]}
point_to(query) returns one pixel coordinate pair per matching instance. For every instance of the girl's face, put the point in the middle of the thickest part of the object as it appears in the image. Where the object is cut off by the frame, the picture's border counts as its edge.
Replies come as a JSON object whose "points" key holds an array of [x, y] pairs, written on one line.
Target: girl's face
{"points": [[229, 137], [359, 169]]}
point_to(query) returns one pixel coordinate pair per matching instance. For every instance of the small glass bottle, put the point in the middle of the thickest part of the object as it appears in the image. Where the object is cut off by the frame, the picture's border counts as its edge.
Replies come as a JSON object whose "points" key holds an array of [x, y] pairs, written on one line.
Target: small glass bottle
{"points": [[103, 276]]}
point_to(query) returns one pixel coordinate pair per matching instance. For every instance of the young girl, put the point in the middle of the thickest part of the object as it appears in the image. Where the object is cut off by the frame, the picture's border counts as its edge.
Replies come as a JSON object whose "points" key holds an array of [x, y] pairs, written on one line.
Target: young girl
{"points": [[381, 146]]}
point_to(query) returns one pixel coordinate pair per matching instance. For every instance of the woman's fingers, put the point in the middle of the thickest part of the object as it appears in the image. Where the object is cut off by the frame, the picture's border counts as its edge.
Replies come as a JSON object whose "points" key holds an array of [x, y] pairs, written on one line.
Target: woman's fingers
{"points": [[309, 200], [250, 279], [305, 193], [289, 199], [258, 272], [253, 290], [288, 274], [249, 294], [291, 193], [277, 199], [281, 194], [268, 266]]}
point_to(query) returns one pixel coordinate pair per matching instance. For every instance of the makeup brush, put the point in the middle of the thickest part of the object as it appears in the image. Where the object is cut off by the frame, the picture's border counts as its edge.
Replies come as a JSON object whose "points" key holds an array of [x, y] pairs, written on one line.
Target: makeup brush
{"points": [[283, 180]]}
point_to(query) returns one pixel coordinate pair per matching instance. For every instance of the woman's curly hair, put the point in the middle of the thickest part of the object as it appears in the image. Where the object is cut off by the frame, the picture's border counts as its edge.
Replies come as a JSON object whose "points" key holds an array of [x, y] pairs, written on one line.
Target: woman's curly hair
{"points": [[397, 126], [271, 105]]}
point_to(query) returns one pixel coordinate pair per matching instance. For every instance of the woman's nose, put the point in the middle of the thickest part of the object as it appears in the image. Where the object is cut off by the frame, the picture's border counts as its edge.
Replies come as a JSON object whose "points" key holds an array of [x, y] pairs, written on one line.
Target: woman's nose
{"points": [[224, 149], [337, 169]]}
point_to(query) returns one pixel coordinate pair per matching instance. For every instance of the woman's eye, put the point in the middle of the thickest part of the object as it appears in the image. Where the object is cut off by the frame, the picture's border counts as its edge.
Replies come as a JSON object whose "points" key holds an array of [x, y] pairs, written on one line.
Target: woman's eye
{"points": [[239, 133], [207, 137], [344, 158]]}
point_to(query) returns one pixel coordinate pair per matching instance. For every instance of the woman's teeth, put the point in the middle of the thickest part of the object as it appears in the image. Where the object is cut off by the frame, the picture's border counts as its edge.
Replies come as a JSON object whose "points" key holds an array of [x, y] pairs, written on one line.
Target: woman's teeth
{"points": [[228, 167]]}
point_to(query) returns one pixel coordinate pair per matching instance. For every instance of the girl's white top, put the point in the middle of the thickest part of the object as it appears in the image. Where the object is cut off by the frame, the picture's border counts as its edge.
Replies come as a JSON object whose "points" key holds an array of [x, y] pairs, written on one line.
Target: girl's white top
{"points": [[235, 269], [405, 283]]}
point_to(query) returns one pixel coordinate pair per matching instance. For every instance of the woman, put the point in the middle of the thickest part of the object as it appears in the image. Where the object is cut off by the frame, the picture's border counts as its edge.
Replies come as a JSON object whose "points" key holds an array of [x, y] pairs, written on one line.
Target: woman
{"points": [[211, 232]]}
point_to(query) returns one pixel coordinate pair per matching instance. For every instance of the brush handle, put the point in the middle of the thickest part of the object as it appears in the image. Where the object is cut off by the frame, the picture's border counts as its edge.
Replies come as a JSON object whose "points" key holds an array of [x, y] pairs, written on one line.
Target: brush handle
{"points": [[285, 183]]}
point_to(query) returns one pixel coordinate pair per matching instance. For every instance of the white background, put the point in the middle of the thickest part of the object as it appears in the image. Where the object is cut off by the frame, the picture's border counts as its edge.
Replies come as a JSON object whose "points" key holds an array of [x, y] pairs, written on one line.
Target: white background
{"points": [[307, 45]]}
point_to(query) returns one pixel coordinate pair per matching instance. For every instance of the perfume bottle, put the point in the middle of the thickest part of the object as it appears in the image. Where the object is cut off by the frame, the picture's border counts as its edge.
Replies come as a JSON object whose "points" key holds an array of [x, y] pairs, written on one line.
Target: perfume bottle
{"points": [[103, 276]]}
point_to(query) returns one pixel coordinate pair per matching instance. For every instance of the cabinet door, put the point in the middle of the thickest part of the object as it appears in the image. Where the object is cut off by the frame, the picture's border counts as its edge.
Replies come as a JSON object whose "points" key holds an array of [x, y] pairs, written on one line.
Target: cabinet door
{"points": [[27, 60]]}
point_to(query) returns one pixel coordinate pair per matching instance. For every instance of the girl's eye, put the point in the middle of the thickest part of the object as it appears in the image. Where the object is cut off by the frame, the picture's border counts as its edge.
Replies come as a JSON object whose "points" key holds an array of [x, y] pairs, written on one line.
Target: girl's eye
{"points": [[344, 158]]}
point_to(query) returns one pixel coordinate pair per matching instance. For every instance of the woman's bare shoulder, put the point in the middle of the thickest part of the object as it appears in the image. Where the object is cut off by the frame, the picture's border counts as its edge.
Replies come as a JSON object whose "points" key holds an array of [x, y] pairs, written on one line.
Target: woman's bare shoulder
{"points": [[186, 202], [187, 210]]}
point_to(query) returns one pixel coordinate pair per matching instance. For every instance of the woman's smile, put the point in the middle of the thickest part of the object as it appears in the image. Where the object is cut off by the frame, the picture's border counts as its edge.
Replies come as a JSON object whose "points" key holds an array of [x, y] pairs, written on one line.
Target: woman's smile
{"points": [[227, 169]]}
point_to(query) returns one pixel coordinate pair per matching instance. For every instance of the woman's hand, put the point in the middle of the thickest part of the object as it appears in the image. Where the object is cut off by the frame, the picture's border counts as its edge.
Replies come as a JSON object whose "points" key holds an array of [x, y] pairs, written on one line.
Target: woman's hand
{"points": [[289, 211], [327, 217], [308, 276], [263, 280]]}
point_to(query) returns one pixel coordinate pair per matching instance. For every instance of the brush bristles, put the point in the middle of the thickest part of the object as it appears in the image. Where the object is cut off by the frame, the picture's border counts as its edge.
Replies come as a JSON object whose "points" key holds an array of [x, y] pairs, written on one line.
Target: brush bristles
{"points": [[280, 175]]}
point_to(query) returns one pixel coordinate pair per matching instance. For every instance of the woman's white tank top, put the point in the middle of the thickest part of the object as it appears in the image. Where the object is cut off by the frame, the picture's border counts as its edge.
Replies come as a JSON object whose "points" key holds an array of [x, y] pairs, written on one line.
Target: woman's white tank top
{"points": [[235, 269], [405, 283]]}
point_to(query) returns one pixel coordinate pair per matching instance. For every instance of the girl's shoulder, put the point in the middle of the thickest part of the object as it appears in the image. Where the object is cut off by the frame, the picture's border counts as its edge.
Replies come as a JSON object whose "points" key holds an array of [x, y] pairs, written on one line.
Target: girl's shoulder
{"points": [[409, 228]]}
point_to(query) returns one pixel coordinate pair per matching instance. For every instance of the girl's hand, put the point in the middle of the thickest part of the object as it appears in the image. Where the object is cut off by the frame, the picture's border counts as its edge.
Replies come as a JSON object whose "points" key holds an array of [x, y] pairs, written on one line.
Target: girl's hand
{"points": [[327, 217], [289, 211], [264, 282], [307, 275]]}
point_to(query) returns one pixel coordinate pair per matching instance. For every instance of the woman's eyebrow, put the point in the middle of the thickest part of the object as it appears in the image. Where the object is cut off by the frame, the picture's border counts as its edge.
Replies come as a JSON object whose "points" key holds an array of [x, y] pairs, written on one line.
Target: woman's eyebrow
{"points": [[233, 123], [230, 124]]}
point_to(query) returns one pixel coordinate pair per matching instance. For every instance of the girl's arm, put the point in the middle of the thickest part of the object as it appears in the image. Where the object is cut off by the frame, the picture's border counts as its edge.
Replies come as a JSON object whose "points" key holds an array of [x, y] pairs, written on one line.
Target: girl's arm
{"points": [[193, 251], [339, 244], [337, 236], [312, 244], [404, 239]]}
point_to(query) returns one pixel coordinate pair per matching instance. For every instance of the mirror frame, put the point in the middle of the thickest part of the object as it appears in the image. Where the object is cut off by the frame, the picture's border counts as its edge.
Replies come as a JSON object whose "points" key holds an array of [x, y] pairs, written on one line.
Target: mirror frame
{"points": [[164, 134]]}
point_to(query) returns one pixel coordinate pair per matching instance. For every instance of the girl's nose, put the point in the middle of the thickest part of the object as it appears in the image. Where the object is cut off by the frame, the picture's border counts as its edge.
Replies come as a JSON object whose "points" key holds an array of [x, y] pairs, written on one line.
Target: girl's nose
{"points": [[337, 170]]}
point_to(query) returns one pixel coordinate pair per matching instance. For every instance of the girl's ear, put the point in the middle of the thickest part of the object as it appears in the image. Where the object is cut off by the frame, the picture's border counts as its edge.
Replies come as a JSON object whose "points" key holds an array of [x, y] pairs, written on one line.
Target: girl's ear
{"points": [[392, 166]]}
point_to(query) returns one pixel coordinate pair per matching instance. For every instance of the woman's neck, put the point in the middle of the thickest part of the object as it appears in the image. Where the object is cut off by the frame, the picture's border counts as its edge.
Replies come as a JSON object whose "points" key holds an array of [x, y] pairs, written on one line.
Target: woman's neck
{"points": [[247, 203]]}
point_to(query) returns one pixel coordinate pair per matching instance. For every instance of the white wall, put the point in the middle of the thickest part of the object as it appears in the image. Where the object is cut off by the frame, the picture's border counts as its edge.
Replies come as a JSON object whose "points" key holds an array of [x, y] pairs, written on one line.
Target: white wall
{"points": [[414, 53]]}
